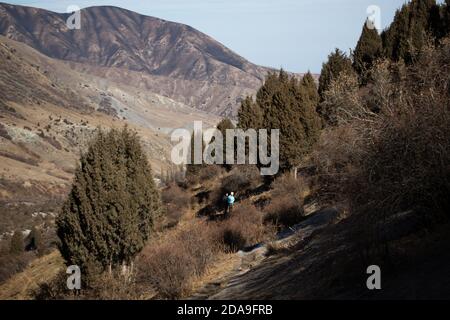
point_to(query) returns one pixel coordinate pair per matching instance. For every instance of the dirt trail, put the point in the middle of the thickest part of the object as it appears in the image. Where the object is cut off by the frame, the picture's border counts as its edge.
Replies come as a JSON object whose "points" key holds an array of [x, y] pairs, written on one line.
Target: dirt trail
{"points": [[254, 262]]}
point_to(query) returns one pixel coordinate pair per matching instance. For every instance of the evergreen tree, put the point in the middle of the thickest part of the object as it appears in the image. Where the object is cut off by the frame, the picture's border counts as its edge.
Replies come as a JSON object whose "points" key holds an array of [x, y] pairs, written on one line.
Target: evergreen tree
{"points": [[16, 246], [407, 34], [193, 170], [224, 125], [308, 101], [368, 49], [109, 213], [249, 115], [35, 241], [286, 105], [308, 85], [337, 62]]}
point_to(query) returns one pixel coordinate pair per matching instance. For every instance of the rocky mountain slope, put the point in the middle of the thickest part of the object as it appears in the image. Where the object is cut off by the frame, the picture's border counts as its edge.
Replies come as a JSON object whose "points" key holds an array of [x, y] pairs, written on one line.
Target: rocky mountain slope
{"points": [[48, 111], [173, 59]]}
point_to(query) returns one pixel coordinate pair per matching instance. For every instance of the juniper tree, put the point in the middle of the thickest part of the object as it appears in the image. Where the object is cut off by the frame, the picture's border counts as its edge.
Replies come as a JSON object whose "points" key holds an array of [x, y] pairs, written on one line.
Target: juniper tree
{"points": [[224, 125], [193, 169], [337, 62], [249, 115], [368, 49], [109, 213], [289, 105], [35, 241], [407, 34], [307, 106]]}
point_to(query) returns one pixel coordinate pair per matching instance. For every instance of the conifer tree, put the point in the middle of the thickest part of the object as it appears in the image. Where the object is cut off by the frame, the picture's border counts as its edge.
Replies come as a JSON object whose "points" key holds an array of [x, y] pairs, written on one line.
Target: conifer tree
{"points": [[288, 105], [224, 125], [16, 246], [307, 106], [193, 169], [368, 49], [35, 240], [109, 213], [337, 62], [285, 103], [408, 32], [249, 115]]}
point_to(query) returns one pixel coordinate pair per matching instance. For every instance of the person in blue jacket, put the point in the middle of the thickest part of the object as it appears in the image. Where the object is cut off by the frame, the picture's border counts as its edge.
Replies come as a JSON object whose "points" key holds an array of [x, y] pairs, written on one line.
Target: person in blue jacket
{"points": [[230, 203]]}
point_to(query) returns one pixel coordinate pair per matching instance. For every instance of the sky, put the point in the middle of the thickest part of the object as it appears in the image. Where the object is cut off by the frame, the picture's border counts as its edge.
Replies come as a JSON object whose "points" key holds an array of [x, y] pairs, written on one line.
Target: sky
{"points": [[296, 35]]}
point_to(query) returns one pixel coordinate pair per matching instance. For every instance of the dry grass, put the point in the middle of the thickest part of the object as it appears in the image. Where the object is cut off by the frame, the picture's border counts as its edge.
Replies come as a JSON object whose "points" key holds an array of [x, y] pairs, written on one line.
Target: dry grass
{"points": [[41, 270]]}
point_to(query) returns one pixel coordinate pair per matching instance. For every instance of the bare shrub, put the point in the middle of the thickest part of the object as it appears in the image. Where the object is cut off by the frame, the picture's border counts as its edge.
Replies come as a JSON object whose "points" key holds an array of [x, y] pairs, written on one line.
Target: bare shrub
{"points": [[171, 266], [244, 228], [406, 165], [396, 161], [55, 289], [209, 172], [286, 207], [242, 179], [288, 185], [104, 286], [341, 101], [176, 202], [284, 211], [336, 157], [169, 269]]}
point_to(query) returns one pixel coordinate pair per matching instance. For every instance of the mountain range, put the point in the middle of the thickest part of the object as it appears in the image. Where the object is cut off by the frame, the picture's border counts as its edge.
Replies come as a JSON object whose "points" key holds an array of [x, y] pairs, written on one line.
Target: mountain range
{"points": [[164, 57]]}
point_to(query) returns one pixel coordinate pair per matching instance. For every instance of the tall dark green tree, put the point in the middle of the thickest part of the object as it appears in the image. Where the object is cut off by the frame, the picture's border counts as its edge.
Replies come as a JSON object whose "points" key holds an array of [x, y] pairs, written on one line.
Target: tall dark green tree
{"points": [[308, 100], [249, 114], [368, 49], [408, 33], [289, 105], [16, 245], [193, 169], [35, 241], [110, 210], [224, 125], [337, 62]]}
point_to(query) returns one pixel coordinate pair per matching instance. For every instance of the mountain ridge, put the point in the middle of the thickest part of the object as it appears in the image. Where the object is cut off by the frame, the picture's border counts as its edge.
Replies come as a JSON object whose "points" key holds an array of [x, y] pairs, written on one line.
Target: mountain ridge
{"points": [[119, 37]]}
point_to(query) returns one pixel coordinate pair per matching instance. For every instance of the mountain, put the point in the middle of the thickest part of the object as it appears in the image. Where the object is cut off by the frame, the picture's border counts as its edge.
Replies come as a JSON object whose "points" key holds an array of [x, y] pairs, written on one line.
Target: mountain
{"points": [[48, 112], [174, 59]]}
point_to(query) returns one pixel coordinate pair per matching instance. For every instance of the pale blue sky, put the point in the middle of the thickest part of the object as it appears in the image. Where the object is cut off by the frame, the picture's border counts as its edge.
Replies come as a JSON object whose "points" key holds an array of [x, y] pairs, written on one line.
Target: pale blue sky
{"points": [[294, 34]]}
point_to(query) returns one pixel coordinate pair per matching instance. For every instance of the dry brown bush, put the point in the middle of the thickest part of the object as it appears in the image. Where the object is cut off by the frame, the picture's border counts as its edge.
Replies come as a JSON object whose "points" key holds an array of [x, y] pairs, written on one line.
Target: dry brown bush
{"points": [[284, 211], [244, 228], [288, 185], [242, 179], [209, 172], [398, 160], [286, 207], [406, 165], [176, 201], [104, 286], [171, 266]]}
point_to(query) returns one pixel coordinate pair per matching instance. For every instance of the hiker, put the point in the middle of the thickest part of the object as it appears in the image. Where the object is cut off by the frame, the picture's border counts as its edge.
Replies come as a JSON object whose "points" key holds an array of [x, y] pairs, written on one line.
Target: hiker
{"points": [[230, 203]]}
